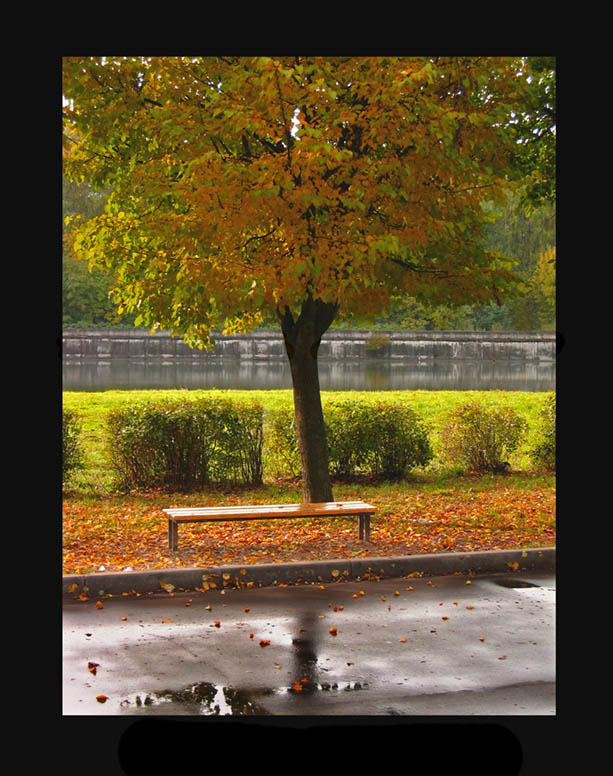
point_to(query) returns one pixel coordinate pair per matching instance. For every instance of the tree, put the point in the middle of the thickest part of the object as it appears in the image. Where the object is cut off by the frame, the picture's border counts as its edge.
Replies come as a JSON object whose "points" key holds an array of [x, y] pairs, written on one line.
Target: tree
{"points": [[309, 188]]}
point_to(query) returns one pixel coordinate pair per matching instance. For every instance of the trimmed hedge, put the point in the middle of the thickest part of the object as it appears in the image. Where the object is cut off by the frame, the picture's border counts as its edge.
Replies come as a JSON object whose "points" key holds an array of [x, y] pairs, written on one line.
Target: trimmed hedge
{"points": [[383, 439], [185, 445], [544, 451], [72, 451], [480, 437]]}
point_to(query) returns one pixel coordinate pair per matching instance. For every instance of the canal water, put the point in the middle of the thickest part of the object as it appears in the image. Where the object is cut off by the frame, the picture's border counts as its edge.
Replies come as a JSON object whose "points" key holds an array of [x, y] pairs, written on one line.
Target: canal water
{"points": [[335, 375]]}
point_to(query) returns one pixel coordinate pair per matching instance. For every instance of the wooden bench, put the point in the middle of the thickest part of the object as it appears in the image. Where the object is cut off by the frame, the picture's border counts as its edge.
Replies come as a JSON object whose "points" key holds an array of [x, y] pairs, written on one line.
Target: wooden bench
{"points": [[269, 512]]}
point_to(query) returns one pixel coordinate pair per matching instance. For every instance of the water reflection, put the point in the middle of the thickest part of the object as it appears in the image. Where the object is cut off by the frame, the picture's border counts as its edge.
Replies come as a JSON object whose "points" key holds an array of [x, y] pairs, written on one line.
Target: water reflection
{"points": [[430, 374], [200, 698]]}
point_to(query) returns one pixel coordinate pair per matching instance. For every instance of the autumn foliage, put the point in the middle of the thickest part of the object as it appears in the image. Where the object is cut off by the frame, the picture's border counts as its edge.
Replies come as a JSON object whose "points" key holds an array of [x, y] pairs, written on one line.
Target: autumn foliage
{"points": [[247, 184]]}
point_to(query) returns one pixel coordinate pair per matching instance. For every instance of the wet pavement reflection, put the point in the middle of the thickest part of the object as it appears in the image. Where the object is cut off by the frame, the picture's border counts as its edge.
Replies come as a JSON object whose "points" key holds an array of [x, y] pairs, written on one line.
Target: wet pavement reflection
{"points": [[445, 645]]}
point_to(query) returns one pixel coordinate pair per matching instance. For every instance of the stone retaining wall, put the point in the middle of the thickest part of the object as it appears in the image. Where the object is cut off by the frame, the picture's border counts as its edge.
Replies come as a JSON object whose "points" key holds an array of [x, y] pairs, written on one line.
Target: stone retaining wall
{"points": [[265, 345]]}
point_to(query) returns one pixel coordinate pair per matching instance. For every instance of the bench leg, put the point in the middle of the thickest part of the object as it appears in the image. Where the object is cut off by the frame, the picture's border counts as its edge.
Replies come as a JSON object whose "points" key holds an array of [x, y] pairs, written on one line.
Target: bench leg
{"points": [[364, 527], [173, 535]]}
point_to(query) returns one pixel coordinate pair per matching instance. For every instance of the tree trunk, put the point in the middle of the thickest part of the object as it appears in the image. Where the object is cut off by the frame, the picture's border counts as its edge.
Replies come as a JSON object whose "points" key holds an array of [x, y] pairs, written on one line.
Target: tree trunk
{"points": [[302, 338]]}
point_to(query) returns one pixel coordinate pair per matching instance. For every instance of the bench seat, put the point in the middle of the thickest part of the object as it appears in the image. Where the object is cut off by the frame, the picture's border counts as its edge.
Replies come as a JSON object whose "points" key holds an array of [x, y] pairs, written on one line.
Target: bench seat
{"points": [[269, 512]]}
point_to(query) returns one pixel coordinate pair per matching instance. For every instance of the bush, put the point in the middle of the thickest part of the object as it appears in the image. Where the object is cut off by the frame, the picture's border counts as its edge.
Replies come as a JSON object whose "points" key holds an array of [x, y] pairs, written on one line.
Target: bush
{"points": [[544, 452], [185, 445], [281, 444], [397, 441], [72, 451], [480, 438], [383, 439]]}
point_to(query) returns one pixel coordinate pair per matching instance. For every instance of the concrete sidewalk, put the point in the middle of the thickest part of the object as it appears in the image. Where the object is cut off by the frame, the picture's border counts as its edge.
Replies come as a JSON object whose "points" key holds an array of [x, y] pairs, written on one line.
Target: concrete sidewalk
{"points": [[440, 564]]}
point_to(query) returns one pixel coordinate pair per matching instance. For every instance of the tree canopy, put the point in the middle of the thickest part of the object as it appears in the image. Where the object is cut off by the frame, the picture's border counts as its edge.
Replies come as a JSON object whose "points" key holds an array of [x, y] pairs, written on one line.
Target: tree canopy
{"points": [[242, 184]]}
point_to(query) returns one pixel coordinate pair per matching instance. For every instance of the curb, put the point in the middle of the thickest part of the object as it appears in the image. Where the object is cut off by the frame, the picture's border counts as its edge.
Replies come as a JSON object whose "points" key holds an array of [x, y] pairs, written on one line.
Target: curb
{"points": [[439, 564]]}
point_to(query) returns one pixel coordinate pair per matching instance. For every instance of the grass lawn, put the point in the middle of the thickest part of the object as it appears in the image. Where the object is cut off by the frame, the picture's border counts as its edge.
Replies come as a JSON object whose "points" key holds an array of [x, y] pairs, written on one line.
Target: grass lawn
{"points": [[437, 509]]}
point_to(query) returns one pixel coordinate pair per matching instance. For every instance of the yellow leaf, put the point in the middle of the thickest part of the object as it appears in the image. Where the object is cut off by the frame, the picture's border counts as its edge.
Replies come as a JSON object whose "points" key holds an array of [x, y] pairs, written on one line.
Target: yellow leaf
{"points": [[167, 586], [72, 588]]}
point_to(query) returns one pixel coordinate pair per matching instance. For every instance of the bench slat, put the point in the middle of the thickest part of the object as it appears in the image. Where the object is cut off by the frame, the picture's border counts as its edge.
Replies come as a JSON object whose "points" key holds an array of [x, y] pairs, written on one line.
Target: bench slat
{"points": [[271, 510]]}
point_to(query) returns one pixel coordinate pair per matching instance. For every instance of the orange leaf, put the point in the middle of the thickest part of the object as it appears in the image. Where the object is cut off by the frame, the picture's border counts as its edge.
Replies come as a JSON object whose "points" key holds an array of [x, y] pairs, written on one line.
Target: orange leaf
{"points": [[101, 698], [99, 605], [333, 631], [264, 642]]}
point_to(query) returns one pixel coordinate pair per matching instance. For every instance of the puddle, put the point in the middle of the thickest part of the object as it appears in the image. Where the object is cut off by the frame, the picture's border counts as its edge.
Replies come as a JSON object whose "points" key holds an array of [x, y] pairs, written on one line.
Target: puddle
{"points": [[515, 583], [201, 698], [209, 699]]}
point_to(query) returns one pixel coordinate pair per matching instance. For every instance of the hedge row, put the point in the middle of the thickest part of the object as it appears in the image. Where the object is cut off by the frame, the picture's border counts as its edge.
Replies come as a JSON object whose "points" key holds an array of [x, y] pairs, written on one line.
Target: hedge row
{"points": [[187, 445], [384, 439]]}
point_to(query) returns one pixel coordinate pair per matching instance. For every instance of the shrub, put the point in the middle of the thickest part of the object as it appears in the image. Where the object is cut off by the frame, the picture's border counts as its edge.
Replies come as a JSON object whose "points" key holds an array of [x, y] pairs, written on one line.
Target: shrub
{"points": [[398, 440], [185, 445], [384, 439], [544, 452], [72, 451], [281, 443], [480, 438], [377, 343]]}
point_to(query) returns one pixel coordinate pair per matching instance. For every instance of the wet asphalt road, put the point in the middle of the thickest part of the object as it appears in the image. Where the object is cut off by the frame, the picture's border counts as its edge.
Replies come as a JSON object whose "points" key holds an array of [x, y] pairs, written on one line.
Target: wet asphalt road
{"points": [[443, 648]]}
